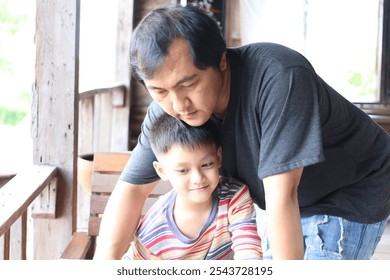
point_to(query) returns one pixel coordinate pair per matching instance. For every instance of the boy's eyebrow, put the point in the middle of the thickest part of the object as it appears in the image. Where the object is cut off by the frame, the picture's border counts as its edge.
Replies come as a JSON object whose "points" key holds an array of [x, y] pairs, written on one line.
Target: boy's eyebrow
{"points": [[206, 156]]}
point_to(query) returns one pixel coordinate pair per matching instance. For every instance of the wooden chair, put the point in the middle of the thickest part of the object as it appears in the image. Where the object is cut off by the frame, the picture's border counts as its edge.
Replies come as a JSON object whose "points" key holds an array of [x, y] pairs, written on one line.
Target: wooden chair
{"points": [[106, 171]]}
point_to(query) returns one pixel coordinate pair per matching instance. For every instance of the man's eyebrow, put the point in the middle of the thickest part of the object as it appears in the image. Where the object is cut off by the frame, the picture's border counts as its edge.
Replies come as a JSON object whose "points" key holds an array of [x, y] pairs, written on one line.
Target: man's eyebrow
{"points": [[182, 80]]}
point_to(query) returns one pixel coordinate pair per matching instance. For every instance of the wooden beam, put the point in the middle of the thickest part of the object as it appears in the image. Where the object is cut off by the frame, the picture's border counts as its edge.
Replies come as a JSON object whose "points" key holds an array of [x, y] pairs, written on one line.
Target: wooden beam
{"points": [[55, 117], [96, 91], [121, 99]]}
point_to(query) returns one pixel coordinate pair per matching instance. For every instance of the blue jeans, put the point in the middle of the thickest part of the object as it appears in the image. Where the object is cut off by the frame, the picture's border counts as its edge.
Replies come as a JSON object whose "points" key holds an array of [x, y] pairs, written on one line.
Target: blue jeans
{"points": [[334, 238]]}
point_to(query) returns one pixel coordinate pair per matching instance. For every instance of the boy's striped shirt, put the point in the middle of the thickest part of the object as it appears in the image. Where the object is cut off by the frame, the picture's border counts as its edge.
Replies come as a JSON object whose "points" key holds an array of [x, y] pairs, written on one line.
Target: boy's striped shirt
{"points": [[229, 232]]}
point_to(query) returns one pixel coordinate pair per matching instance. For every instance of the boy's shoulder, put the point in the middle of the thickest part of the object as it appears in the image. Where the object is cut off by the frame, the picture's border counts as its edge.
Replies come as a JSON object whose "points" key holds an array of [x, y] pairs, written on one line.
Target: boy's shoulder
{"points": [[228, 186]]}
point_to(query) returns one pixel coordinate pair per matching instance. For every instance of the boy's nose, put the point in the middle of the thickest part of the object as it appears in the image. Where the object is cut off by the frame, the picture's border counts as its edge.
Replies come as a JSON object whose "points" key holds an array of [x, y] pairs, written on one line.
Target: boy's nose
{"points": [[197, 177]]}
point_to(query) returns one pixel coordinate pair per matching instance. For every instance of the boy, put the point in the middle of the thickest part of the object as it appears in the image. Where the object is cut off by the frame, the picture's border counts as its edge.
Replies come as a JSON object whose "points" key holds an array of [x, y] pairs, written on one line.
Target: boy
{"points": [[205, 216]]}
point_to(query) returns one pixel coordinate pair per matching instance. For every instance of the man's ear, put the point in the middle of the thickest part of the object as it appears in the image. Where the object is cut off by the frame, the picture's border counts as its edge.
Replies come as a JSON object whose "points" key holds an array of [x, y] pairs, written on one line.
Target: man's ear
{"points": [[160, 170], [219, 154], [223, 62]]}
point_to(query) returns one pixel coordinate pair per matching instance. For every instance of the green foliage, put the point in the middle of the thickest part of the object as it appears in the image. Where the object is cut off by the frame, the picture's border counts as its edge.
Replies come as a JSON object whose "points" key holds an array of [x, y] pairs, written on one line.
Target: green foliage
{"points": [[364, 82], [11, 116], [8, 21], [25, 97], [11, 22], [5, 65], [355, 79], [9, 26]]}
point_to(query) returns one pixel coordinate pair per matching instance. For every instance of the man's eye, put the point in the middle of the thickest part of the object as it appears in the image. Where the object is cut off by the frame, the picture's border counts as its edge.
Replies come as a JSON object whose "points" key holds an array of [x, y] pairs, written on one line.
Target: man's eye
{"points": [[190, 85]]}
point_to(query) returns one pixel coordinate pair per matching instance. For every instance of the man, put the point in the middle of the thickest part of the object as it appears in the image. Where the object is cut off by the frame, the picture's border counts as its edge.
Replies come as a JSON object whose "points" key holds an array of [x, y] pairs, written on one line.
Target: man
{"points": [[318, 165]]}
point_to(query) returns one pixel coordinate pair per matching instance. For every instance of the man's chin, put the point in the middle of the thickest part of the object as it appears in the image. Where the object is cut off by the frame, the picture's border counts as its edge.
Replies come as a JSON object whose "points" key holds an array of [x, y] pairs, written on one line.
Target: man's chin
{"points": [[194, 122]]}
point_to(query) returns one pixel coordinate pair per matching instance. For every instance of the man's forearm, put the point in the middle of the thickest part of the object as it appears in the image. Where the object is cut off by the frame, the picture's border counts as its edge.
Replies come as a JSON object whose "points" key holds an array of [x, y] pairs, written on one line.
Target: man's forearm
{"points": [[284, 228], [285, 233], [120, 220]]}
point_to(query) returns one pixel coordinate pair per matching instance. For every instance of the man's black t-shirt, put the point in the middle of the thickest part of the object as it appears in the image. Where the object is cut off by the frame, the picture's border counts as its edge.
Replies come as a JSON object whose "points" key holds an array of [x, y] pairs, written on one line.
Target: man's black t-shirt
{"points": [[282, 116]]}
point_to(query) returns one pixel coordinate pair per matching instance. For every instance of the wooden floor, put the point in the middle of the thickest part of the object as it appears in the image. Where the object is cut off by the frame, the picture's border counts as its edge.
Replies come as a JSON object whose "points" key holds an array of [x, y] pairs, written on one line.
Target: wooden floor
{"points": [[382, 252]]}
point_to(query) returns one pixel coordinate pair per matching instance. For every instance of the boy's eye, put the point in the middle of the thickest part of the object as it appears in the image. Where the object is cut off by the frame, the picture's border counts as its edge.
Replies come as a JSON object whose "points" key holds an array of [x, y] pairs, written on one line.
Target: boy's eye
{"points": [[209, 164], [181, 171]]}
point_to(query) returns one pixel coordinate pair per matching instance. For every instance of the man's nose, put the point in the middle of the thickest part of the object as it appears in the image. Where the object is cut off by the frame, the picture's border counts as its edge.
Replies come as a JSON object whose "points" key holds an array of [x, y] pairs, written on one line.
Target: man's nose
{"points": [[180, 103]]}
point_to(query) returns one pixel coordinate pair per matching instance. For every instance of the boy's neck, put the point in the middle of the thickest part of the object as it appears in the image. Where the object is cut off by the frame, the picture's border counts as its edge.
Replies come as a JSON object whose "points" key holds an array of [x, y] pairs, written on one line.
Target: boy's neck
{"points": [[191, 206], [191, 216]]}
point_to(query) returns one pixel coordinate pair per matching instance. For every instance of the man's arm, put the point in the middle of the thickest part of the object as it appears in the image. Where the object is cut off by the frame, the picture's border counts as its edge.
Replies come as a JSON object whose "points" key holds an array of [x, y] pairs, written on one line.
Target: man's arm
{"points": [[283, 218], [120, 219]]}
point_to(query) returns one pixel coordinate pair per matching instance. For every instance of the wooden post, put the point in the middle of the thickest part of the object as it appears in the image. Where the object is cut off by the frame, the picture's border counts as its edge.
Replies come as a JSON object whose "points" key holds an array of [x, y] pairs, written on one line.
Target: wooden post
{"points": [[121, 100], [55, 117]]}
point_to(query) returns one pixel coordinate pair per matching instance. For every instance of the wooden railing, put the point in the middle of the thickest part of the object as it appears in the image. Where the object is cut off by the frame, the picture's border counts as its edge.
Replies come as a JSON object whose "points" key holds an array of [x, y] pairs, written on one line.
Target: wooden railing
{"points": [[17, 199]]}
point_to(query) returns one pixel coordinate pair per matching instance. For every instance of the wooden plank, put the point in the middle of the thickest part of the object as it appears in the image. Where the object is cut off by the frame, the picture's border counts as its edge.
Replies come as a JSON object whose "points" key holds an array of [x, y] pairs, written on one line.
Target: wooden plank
{"points": [[18, 193], [104, 183], [44, 207], [18, 239], [85, 144], [119, 97], [4, 179], [4, 246], [94, 225], [98, 203], [102, 122], [78, 247], [55, 117]]}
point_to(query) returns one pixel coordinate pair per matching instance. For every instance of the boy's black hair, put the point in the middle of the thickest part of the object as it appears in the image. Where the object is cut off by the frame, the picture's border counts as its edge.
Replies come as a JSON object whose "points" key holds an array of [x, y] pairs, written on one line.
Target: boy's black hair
{"points": [[155, 33], [167, 131]]}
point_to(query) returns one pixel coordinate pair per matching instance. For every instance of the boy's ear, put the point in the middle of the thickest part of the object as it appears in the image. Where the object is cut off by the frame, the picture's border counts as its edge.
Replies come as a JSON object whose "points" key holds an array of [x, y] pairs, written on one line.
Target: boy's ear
{"points": [[160, 170], [219, 154]]}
